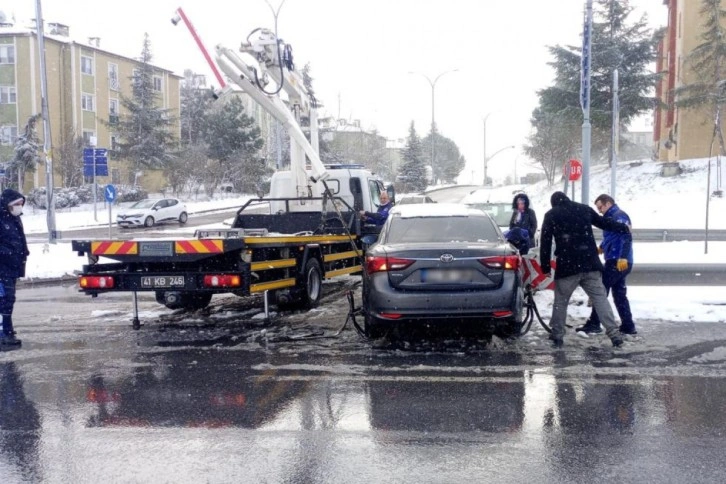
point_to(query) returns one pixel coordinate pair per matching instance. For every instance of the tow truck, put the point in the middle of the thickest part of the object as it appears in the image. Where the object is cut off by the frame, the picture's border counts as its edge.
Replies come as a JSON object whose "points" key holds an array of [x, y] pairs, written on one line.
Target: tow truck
{"points": [[309, 229]]}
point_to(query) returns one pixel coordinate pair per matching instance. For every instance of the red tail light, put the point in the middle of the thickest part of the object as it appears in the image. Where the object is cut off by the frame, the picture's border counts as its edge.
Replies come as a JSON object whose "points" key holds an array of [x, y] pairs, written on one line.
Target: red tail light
{"points": [[222, 280], [96, 282], [384, 264], [506, 262]]}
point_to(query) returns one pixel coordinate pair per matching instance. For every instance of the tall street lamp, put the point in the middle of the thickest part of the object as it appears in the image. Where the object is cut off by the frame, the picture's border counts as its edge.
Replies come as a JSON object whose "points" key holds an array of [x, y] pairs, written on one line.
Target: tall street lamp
{"points": [[487, 159], [433, 111]]}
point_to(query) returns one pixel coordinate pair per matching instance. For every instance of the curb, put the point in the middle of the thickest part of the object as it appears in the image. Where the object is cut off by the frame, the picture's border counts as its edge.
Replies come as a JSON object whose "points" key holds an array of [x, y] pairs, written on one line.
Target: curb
{"points": [[50, 281]]}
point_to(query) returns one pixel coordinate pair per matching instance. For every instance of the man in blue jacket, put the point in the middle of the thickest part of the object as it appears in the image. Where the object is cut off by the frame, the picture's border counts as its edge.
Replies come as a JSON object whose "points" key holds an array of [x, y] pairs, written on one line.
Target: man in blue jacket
{"points": [[618, 251], [13, 255], [379, 216]]}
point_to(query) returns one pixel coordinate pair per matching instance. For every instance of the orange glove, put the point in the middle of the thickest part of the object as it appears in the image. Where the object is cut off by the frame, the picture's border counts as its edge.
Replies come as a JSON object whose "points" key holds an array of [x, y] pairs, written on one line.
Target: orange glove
{"points": [[622, 264], [599, 250]]}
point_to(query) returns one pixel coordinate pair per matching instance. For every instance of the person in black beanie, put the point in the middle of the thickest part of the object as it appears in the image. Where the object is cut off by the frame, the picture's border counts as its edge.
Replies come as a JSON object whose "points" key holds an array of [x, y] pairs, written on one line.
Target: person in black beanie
{"points": [[578, 263], [13, 255]]}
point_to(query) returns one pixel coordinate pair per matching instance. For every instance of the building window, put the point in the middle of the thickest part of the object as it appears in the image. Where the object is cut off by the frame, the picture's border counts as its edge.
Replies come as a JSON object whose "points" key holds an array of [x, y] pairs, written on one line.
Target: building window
{"points": [[8, 95], [157, 83], [113, 111], [7, 54], [88, 102], [8, 135], [113, 77], [87, 65], [89, 138]]}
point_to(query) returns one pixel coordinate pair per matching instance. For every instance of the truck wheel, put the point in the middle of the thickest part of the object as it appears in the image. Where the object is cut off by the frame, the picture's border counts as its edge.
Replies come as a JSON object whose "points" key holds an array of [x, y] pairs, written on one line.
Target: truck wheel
{"points": [[149, 222], [313, 284], [193, 302], [183, 218]]}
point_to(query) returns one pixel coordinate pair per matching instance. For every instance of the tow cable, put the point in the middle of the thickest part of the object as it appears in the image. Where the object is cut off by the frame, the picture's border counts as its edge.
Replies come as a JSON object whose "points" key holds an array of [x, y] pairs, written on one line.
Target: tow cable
{"points": [[531, 312]]}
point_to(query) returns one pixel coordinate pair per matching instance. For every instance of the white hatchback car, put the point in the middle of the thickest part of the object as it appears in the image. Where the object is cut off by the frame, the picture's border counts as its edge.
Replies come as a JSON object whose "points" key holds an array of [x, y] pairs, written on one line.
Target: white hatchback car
{"points": [[149, 212]]}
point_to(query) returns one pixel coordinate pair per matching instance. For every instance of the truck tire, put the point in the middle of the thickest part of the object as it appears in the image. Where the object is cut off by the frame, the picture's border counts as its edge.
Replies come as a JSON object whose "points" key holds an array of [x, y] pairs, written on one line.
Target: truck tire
{"points": [[194, 302], [313, 283], [186, 300]]}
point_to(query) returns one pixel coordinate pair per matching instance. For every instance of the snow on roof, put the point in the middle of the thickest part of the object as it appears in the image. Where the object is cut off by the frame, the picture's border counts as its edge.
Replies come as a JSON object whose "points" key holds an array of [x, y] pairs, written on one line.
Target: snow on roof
{"points": [[435, 210]]}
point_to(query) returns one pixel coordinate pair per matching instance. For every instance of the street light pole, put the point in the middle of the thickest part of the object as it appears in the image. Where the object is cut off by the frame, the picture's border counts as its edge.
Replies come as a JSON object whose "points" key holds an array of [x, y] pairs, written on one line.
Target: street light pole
{"points": [[433, 110], [484, 145], [487, 159]]}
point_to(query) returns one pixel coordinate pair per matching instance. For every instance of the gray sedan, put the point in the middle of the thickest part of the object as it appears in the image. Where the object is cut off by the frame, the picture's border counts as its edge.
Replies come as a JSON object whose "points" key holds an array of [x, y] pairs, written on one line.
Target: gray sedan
{"points": [[438, 263]]}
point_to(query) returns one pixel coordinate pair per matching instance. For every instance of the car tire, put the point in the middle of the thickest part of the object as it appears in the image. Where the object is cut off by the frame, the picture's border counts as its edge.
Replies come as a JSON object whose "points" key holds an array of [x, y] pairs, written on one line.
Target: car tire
{"points": [[183, 217], [372, 328], [149, 222]]}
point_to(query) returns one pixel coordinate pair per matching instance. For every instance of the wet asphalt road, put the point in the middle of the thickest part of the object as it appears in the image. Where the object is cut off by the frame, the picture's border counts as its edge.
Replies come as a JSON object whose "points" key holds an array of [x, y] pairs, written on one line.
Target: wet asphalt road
{"points": [[224, 396]]}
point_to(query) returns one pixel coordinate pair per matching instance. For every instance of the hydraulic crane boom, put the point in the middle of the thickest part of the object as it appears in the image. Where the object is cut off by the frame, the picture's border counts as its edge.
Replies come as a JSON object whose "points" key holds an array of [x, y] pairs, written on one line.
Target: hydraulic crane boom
{"points": [[252, 77]]}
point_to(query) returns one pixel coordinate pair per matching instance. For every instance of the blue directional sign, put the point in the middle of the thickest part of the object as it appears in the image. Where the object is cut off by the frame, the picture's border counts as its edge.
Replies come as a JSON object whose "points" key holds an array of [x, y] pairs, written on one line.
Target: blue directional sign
{"points": [[109, 192], [95, 157]]}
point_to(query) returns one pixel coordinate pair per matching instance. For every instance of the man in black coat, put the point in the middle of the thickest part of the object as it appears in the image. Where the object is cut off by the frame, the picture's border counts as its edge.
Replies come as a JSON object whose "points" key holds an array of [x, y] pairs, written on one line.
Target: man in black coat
{"points": [[13, 255], [578, 263]]}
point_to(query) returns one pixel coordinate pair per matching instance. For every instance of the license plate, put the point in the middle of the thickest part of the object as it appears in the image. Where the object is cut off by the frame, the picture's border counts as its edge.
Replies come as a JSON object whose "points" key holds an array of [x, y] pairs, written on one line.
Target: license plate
{"points": [[447, 275], [162, 281]]}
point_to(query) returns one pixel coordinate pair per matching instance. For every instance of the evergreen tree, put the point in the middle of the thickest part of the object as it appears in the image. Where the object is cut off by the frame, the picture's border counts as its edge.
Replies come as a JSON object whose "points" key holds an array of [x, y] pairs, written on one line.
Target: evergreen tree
{"points": [[195, 102], [708, 64], [68, 159], [617, 42], [413, 169], [449, 161], [234, 142], [26, 151], [145, 129]]}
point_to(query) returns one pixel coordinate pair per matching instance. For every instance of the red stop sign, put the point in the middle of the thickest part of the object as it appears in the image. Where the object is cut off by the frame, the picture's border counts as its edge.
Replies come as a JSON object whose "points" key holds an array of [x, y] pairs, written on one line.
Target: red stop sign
{"points": [[573, 169]]}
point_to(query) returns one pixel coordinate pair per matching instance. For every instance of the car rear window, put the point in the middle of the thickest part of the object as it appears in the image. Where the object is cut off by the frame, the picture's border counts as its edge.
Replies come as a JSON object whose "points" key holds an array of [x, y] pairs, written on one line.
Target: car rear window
{"points": [[441, 229]]}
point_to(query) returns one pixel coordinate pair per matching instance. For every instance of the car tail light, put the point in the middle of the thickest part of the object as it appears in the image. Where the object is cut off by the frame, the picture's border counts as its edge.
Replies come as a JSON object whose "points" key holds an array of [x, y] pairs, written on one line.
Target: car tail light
{"points": [[382, 264], [391, 315], [506, 262], [222, 280], [96, 282], [502, 314]]}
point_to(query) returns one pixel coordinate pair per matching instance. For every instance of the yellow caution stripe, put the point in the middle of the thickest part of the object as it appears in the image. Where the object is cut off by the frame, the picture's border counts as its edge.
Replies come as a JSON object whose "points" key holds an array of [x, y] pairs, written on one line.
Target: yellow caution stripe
{"points": [[342, 255], [114, 247], [267, 286], [272, 264], [340, 272], [202, 246]]}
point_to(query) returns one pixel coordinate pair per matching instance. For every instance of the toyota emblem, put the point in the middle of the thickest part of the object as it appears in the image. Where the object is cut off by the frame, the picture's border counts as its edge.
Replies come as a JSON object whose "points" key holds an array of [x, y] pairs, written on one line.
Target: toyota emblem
{"points": [[446, 258]]}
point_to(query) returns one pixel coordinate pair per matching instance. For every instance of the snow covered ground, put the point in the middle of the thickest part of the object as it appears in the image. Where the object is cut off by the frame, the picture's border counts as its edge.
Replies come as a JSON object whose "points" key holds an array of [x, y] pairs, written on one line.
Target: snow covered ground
{"points": [[650, 200]]}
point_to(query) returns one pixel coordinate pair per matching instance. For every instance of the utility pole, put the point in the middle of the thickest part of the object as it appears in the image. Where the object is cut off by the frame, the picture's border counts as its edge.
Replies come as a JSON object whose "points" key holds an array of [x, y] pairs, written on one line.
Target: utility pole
{"points": [[585, 66], [50, 201], [433, 112], [615, 134], [484, 146]]}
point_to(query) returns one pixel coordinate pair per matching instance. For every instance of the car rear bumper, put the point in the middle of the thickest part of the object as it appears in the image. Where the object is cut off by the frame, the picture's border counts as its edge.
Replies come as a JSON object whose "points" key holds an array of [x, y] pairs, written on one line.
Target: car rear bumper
{"points": [[384, 302]]}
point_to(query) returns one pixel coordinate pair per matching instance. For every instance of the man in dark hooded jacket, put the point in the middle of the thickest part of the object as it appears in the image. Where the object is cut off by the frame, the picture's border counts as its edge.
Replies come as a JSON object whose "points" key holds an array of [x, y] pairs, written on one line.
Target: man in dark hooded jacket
{"points": [[523, 216], [13, 255], [578, 263]]}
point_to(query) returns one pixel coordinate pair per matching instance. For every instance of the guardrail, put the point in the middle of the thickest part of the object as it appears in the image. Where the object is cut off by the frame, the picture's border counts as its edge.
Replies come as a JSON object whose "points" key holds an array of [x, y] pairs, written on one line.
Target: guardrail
{"points": [[672, 235], [677, 275]]}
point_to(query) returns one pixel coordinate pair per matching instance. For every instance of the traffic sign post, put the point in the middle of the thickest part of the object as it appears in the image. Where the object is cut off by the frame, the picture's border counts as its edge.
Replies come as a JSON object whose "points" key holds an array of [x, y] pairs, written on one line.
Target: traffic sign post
{"points": [[572, 171], [95, 163], [109, 193]]}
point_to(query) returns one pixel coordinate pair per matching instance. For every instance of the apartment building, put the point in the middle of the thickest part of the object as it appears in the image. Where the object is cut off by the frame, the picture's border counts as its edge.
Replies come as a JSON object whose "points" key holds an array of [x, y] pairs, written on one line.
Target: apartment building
{"points": [[85, 84], [681, 133]]}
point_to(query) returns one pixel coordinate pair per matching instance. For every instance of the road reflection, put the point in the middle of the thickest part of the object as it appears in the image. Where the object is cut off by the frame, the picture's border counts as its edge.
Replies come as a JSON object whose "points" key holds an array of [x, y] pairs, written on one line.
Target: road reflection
{"points": [[19, 429]]}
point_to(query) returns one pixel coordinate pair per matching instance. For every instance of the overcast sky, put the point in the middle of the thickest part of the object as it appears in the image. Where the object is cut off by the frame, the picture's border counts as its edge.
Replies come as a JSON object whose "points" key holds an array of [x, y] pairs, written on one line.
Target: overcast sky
{"points": [[361, 54]]}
